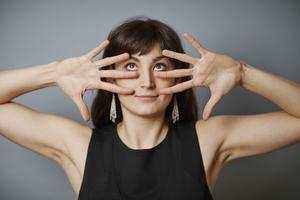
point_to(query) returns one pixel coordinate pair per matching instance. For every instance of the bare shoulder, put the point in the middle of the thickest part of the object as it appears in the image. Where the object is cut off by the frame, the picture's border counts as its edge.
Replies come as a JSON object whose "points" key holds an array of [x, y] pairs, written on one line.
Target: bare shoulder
{"points": [[211, 137], [210, 140], [224, 138], [249, 135], [77, 147]]}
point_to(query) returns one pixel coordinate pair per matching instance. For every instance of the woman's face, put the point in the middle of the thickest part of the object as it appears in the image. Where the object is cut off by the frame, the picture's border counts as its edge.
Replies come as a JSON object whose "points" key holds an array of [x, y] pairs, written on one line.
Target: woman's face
{"points": [[146, 84]]}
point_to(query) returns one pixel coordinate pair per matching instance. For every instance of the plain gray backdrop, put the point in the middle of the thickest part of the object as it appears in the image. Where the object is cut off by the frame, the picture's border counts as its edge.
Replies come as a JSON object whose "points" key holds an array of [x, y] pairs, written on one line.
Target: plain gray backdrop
{"points": [[262, 33]]}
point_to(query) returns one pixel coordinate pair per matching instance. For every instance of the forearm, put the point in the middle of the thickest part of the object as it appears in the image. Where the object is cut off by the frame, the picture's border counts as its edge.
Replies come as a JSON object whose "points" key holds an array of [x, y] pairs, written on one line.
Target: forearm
{"points": [[16, 82], [281, 91]]}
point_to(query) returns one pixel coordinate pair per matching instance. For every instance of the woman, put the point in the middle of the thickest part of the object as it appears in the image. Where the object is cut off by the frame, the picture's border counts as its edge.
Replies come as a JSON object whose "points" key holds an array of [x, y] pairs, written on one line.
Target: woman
{"points": [[147, 142]]}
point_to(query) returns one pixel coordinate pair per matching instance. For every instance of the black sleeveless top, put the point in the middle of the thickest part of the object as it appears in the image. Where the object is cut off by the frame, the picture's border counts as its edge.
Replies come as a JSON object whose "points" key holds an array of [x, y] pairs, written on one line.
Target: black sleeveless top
{"points": [[173, 169]]}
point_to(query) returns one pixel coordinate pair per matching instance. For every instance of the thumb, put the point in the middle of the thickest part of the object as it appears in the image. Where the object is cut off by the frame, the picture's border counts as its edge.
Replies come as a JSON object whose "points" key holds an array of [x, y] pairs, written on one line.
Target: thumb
{"points": [[82, 107], [210, 105]]}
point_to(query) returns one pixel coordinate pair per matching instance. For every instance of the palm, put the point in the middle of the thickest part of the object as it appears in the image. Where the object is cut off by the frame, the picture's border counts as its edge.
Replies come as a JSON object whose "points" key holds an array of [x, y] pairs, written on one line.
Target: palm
{"points": [[78, 74], [218, 72]]}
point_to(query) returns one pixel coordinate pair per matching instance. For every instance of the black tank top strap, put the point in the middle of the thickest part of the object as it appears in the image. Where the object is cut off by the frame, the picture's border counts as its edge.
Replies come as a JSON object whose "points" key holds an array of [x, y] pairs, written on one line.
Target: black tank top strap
{"points": [[93, 168], [190, 149], [97, 181], [191, 156]]}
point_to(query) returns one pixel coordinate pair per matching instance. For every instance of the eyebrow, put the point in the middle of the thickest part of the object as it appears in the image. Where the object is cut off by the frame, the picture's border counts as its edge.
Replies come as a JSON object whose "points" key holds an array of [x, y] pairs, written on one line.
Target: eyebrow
{"points": [[154, 59]]}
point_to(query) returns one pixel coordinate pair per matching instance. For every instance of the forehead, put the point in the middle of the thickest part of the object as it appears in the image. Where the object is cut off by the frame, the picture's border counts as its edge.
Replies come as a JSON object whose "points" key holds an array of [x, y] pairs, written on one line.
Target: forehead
{"points": [[154, 51], [153, 55]]}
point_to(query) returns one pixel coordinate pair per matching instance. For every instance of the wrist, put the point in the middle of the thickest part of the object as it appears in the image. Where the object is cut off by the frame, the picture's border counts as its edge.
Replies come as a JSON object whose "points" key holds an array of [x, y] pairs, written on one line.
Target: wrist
{"points": [[49, 77], [244, 71]]}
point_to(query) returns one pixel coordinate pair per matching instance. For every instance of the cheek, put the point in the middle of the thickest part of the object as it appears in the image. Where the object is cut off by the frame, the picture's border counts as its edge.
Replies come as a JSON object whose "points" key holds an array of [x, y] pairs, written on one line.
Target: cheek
{"points": [[164, 83], [127, 83]]}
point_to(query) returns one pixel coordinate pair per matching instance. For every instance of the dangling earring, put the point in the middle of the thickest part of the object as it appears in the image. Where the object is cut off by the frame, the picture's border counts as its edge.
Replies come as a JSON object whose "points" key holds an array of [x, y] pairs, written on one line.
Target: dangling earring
{"points": [[175, 112], [113, 112]]}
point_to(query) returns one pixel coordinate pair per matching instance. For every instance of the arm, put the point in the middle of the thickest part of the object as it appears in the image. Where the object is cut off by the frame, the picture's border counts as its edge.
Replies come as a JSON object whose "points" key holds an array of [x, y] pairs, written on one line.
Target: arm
{"points": [[50, 135], [235, 136], [16, 82], [256, 134], [40, 132]]}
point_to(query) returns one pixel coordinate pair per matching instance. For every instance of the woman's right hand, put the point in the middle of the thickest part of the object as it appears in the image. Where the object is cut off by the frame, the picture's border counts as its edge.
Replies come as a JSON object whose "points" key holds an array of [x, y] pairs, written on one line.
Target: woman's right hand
{"points": [[78, 74]]}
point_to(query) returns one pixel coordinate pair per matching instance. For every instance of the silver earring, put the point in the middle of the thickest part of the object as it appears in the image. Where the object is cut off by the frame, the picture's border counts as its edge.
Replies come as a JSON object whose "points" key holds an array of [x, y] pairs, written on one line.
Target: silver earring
{"points": [[175, 112], [113, 112]]}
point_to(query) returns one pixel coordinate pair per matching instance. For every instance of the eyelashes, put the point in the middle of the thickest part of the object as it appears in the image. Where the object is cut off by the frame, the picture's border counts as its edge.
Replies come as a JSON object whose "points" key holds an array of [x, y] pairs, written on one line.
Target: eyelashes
{"points": [[158, 64]]}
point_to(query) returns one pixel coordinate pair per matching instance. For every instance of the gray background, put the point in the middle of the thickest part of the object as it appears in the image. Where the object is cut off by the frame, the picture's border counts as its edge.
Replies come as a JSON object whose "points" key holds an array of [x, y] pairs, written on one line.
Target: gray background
{"points": [[263, 33]]}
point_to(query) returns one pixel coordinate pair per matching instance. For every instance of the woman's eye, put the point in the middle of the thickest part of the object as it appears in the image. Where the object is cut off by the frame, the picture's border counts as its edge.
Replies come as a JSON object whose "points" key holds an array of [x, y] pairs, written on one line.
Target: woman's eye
{"points": [[161, 67], [132, 67], [129, 66]]}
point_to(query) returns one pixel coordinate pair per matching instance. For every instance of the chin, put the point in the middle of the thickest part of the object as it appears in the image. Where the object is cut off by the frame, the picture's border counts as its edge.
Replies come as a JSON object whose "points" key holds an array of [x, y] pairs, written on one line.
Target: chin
{"points": [[146, 110]]}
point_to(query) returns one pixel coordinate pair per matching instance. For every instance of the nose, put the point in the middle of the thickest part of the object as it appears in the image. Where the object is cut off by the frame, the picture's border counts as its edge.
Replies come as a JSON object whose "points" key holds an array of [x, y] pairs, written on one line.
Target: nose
{"points": [[147, 80]]}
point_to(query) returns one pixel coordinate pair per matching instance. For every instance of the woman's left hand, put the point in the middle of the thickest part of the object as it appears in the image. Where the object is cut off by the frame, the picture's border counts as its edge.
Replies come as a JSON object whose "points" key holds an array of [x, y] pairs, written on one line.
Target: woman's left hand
{"points": [[220, 73]]}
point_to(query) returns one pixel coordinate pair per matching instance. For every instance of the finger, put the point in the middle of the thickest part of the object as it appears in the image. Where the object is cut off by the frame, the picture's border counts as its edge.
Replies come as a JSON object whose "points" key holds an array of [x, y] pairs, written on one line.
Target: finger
{"points": [[195, 44], [82, 107], [110, 60], [117, 74], [180, 56], [174, 73], [177, 88], [114, 88], [97, 50], [210, 105]]}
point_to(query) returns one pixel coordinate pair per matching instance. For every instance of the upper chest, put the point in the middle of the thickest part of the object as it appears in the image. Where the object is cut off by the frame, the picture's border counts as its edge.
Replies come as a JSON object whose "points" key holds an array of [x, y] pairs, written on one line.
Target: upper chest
{"points": [[74, 164]]}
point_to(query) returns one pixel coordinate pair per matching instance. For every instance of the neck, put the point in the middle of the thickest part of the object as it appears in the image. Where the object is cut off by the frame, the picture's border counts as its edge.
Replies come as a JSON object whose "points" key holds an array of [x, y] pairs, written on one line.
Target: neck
{"points": [[139, 132]]}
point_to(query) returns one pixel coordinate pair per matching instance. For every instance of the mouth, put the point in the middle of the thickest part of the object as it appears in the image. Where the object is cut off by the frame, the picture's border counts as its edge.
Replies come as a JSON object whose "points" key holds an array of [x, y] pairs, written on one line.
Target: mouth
{"points": [[147, 98]]}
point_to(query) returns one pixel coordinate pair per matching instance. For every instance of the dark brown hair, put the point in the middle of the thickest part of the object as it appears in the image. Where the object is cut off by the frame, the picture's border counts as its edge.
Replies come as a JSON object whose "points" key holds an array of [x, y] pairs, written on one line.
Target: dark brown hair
{"points": [[140, 34]]}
